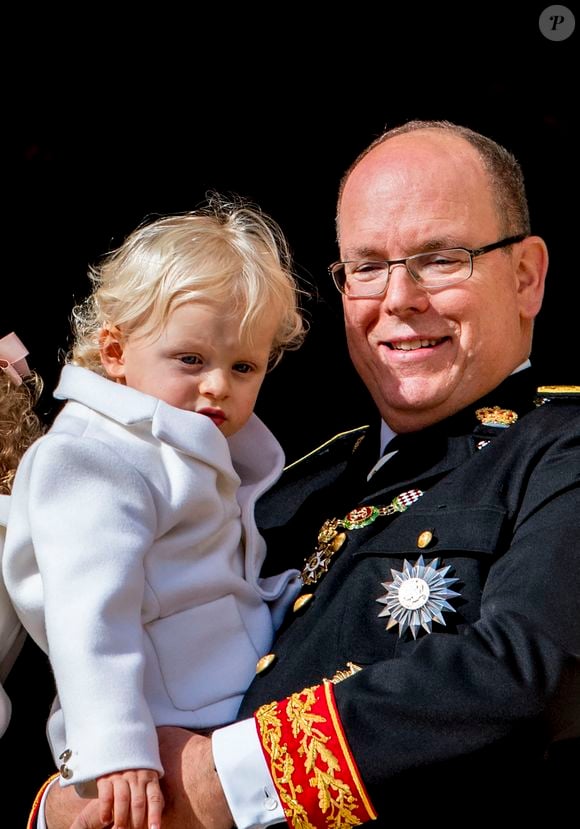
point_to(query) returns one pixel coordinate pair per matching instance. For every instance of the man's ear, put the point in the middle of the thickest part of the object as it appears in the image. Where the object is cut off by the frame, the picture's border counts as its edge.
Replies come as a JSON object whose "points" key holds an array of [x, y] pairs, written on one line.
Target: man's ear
{"points": [[111, 351], [531, 268]]}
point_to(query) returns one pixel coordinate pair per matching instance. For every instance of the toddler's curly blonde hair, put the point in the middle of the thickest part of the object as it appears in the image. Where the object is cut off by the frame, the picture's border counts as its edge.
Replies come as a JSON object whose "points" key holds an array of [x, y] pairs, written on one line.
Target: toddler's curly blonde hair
{"points": [[227, 252], [19, 425]]}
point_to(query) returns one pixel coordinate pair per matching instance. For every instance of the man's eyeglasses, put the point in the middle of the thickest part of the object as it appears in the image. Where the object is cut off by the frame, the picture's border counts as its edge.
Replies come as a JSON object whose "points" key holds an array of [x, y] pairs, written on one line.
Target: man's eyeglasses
{"points": [[432, 270]]}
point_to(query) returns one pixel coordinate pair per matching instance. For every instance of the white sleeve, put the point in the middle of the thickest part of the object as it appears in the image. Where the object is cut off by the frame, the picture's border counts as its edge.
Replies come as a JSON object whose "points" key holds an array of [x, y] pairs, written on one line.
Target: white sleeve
{"points": [[245, 777], [90, 518]]}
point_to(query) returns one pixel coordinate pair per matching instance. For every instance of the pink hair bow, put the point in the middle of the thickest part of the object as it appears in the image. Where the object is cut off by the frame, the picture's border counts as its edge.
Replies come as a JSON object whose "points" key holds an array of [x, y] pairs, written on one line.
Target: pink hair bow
{"points": [[13, 358]]}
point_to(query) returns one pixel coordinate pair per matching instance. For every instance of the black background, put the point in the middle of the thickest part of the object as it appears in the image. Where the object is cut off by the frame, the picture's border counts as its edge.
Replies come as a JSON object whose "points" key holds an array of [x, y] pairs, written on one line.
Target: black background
{"points": [[116, 122], [110, 120]]}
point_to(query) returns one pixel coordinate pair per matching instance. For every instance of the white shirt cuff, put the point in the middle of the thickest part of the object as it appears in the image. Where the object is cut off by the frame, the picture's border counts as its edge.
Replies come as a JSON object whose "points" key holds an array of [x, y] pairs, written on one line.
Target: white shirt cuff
{"points": [[245, 777]]}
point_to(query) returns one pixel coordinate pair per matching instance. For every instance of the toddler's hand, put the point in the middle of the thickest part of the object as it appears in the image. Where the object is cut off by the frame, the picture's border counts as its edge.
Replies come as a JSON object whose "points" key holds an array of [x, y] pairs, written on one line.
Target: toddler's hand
{"points": [[132, 799]]}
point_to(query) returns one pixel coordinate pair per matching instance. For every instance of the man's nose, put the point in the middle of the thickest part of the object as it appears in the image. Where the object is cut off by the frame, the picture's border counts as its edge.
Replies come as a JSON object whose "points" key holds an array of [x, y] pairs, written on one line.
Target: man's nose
{"points": [[403, 295]]}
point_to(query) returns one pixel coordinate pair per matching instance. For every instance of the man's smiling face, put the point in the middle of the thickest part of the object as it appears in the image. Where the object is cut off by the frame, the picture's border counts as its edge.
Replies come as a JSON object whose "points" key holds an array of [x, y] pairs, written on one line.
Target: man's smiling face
{"points": [[424, 356]]}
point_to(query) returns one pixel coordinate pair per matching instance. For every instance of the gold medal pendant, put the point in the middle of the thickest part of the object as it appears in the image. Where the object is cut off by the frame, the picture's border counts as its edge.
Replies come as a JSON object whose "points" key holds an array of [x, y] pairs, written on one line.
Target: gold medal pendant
{"points": [[331, 538]]}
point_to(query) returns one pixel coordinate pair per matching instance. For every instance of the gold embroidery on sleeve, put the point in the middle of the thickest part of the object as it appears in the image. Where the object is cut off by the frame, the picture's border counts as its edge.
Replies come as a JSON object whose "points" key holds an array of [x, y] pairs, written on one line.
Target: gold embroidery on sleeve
{"points": [[321, 766]]}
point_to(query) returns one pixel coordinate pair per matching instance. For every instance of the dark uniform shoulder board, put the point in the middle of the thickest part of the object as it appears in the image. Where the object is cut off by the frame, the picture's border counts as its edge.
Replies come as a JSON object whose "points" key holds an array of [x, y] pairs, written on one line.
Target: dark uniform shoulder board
{"points": [[547, 393], [358, 433]]}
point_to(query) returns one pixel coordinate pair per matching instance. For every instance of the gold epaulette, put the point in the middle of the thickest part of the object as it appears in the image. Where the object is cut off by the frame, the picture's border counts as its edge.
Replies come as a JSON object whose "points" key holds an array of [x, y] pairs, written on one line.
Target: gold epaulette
{"points": [[547, 393], [360, 429]]}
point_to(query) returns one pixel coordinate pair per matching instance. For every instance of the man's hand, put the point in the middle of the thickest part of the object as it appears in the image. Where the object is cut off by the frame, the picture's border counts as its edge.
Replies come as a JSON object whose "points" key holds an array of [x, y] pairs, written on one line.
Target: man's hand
{"points": [[194, 798], [63, 804]]}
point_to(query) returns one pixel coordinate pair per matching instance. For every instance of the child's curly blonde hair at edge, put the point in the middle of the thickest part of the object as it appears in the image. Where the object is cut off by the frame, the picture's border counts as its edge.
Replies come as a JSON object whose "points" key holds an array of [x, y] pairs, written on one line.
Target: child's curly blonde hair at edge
{"points": [[19, 425], [227, 253]]}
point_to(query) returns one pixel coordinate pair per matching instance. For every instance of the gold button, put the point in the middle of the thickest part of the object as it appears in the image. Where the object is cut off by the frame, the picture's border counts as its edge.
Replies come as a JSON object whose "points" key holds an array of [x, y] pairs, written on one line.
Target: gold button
{"points": [[66, 755], [265, 662], [65, 772], [425, 538], [302, 601], [338, 541]]}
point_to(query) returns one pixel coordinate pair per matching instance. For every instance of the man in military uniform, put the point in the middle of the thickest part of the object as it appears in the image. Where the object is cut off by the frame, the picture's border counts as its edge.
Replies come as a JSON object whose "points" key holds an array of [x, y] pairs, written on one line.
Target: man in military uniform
{"points": [[430, 667]]}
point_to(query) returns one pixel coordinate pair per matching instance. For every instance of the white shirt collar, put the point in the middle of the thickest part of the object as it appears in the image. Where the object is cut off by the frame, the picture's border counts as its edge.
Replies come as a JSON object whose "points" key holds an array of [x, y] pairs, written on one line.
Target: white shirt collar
{"points": [[387, 435]]}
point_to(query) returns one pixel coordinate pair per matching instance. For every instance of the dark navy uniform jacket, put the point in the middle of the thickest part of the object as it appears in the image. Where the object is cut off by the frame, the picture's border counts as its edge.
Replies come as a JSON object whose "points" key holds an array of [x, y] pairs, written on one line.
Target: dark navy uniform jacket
{"points": [[487, 705]]}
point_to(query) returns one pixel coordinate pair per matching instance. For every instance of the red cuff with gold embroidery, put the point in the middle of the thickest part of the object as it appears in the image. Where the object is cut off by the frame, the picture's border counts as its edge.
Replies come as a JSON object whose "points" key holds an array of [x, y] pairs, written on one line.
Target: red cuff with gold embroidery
{"points": [[311, 763]]}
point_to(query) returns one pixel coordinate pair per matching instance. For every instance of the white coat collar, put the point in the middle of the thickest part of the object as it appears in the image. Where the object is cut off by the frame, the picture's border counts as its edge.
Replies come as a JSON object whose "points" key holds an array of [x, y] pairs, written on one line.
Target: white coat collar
{"points": [[255, 452]]}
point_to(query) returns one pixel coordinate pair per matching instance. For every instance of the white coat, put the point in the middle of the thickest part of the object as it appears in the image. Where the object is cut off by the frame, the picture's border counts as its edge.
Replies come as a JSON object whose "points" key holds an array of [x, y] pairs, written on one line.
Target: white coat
{"points": [[133, 559], [12, 634]]}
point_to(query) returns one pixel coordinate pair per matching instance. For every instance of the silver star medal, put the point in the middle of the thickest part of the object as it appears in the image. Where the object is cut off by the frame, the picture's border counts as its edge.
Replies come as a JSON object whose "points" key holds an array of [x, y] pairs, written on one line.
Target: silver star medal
{"points": [[417, 596]]}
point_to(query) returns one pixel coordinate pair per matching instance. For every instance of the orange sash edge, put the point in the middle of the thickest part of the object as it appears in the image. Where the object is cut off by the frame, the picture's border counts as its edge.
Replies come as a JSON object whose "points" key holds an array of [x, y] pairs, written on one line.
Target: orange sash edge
{"points": [[31, 824]]}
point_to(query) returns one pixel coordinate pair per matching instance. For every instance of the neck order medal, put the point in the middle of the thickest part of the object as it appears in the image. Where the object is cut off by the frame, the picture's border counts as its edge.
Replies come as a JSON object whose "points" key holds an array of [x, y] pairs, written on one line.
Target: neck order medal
{"points": [[330, 539]]}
